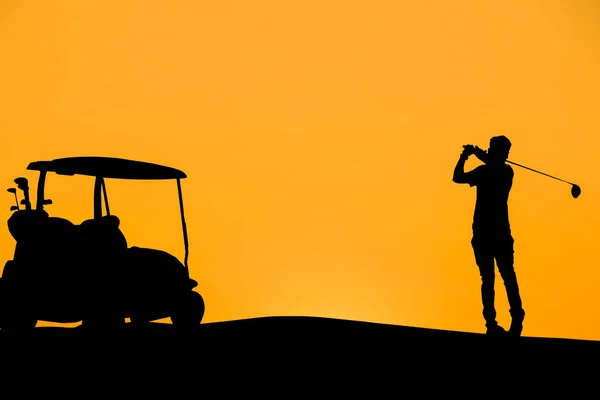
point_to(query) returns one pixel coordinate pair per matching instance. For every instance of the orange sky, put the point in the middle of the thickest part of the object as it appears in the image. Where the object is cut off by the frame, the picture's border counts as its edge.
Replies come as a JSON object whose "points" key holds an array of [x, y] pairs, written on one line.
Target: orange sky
{"points": [[319, 139]]}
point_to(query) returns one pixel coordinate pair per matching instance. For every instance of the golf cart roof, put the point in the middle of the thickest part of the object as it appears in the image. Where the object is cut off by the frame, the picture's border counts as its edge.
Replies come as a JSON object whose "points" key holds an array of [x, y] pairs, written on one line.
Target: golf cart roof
{"points": [[107, 167]]}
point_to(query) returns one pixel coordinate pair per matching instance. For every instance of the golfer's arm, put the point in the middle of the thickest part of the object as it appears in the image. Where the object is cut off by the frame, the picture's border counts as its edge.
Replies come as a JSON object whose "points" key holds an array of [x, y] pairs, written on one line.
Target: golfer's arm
{"points": [[459, 171]]}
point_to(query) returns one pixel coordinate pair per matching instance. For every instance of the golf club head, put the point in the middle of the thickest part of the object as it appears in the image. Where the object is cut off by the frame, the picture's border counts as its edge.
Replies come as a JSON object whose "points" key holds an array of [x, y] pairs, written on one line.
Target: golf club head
{"points": [[22, 183], [11, 190], [575, 191]]}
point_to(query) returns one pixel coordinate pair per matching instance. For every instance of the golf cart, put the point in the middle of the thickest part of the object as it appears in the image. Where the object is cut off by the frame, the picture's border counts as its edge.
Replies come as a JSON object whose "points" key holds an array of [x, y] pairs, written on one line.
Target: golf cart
{"points": [[64, 272]]}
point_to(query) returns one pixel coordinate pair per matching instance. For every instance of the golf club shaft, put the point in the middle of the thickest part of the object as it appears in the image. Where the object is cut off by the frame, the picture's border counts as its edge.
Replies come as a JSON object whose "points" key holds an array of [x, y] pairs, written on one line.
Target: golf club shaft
{"points": [[531, 169]]}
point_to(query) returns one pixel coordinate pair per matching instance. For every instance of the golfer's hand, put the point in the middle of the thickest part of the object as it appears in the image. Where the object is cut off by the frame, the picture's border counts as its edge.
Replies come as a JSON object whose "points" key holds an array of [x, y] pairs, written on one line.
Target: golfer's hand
{"points": [[468, 149]]}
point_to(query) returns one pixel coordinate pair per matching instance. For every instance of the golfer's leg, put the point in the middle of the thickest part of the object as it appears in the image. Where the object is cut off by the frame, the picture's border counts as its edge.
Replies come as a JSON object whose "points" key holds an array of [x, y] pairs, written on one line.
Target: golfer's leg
{"points": [[505, 262], [485, 261]]}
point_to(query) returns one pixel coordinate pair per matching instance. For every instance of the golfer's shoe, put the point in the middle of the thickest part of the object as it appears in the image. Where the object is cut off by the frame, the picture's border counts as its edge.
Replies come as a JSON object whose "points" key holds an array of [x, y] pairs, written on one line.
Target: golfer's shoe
{"points": [[516, 327], [495, 330]]}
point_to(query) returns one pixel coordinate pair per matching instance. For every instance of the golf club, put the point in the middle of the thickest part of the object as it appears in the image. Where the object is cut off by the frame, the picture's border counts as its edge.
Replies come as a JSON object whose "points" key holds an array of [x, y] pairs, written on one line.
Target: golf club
{"points": [[575, 189], [482, 155], [23, 184], [14, 191]]}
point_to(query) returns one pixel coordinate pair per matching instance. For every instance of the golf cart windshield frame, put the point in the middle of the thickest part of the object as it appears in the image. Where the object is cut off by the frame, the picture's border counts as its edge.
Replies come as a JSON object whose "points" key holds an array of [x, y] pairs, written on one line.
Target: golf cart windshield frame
{"points": [[112, 168]]}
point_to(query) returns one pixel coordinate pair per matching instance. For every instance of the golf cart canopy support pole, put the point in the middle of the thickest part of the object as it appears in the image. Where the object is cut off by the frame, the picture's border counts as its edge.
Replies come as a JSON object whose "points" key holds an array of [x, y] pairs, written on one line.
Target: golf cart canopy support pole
{"points": [[40, 190], [184, 227], [99, 194]]}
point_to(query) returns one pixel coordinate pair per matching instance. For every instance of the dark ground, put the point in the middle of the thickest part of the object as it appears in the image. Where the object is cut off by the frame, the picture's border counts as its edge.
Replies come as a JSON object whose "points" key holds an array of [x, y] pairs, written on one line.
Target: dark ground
{"points": [[312, 329], [298, 351]]}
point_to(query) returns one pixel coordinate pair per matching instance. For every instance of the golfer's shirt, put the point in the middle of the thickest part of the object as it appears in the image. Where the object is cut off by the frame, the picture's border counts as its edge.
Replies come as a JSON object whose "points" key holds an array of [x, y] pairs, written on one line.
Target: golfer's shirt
{"points": [[491, 208]]}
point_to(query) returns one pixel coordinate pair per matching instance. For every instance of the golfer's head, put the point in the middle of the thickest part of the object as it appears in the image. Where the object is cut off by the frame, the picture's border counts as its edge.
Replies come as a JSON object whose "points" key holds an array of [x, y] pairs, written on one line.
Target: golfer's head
{"points": [[499, 148]]}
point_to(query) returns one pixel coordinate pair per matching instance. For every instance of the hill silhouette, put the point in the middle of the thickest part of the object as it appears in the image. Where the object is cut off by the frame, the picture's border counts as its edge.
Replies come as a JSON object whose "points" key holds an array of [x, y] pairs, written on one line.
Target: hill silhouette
{"points": [[285, 355], [310, 329]]}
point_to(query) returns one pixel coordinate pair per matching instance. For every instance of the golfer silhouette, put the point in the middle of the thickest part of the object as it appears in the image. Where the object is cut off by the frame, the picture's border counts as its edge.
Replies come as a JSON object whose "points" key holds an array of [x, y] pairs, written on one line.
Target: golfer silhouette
{"points": [[492, 239]]}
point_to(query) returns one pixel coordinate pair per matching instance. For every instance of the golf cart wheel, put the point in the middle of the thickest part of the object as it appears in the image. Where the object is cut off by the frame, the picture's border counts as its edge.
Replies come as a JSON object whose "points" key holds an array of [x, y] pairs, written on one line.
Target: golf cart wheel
{"points": [[139, 320], [17, 323], [189, 312], [18, 317], [103, 323]]}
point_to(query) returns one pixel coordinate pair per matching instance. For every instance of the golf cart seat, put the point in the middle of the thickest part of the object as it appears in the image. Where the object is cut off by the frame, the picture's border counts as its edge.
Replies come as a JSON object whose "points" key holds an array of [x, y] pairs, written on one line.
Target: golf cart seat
{"points": [[104, 233]]}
